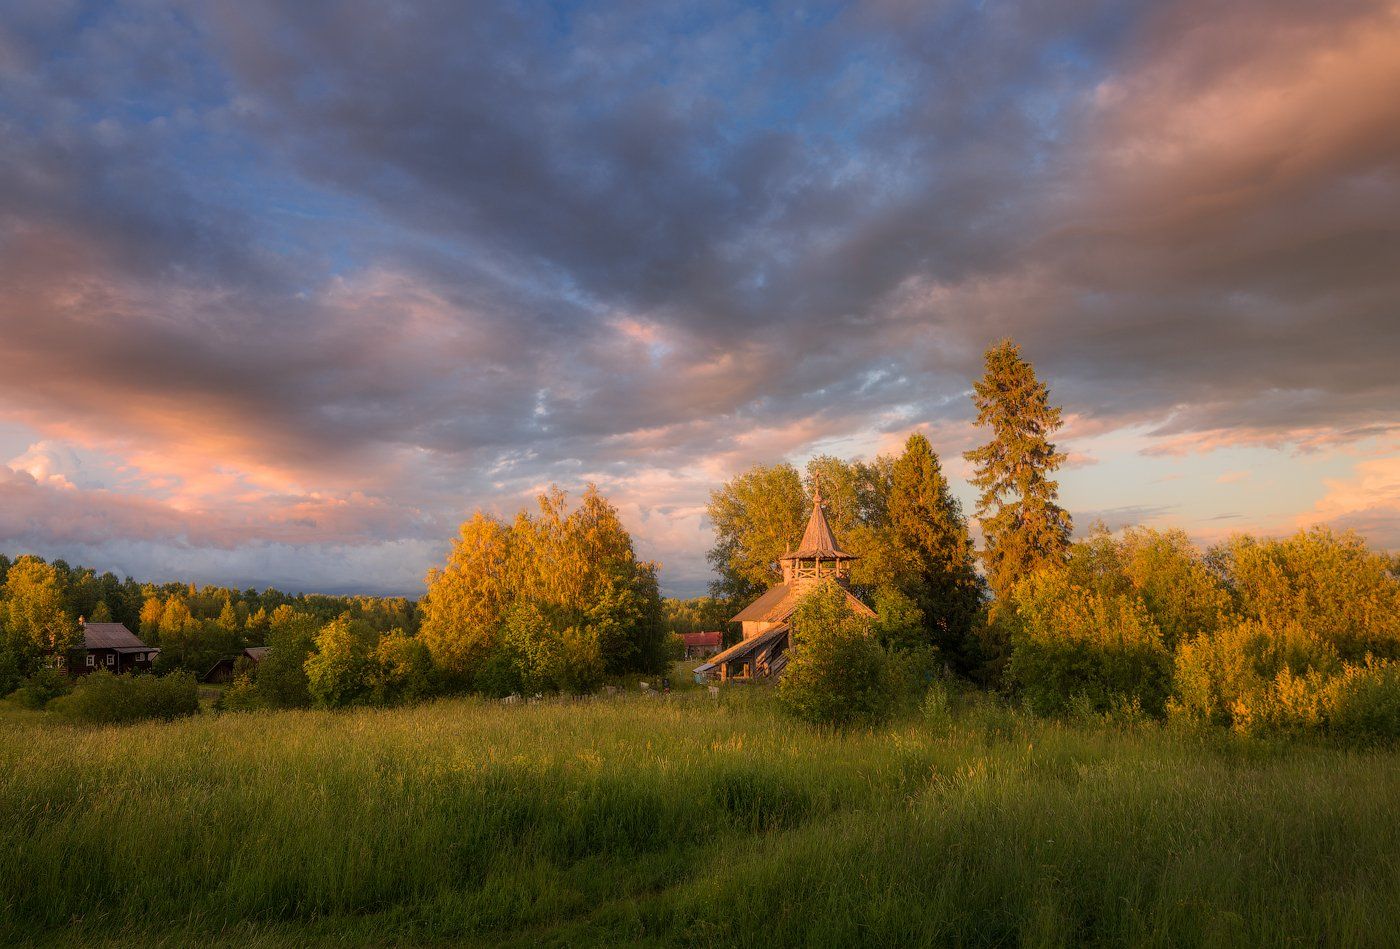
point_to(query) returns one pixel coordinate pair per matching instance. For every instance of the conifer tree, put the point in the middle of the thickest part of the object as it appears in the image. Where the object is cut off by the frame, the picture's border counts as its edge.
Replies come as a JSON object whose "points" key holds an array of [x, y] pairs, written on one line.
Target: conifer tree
{"points": [[1023, 527], [101, 613], [931, 544]]}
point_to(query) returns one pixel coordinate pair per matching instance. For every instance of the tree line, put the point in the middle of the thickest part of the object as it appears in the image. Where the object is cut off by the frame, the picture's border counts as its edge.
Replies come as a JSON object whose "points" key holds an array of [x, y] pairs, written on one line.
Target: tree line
{"points": [[1298, 634], [42, 603]]}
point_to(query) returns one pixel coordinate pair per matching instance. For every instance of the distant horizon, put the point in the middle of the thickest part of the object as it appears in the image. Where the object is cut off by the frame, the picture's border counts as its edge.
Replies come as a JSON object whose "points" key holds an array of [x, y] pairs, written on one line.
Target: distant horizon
{"points": [[266, 315]]}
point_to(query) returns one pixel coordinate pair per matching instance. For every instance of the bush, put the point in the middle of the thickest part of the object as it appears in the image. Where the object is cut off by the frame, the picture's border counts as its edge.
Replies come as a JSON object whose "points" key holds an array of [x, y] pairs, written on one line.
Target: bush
{"points": [[837, 673], [111, 699], [282, 681], [1232, 677], [1067, 641], [1362, 704], [42, 687], [1261, 680], [240, 696]]}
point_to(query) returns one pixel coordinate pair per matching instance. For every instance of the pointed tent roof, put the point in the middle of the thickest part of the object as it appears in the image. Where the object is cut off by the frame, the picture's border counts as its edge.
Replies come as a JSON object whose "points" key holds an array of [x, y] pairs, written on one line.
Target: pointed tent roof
{"points": [[818, 543]]}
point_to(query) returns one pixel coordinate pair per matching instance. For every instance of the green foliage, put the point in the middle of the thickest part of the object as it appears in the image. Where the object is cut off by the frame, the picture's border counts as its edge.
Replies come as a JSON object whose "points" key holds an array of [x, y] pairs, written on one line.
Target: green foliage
{"points": [[755, 517], [1362, 704], [837, 674], [498, 614], [1259, 679], [701, 614], [34, 625], [103, 698], [933, 550], [281, 679], [402, 670], [534, 646], [195, 626], [41, 687], [240, 696], [582, 666], [1224, 678], [629, 821], [1162, 570], [1069, 641], [337, 671], [1329, 583], [1023, 526], [898, 623]]}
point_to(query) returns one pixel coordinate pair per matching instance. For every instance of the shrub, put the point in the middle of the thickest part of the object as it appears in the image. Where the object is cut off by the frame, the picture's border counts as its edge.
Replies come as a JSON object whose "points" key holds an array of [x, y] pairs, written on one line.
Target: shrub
{"points": [[240, 696], [1264, 680], [41, 687], [282, 681], [1362, 704], [1067, 640], [581, 665], [111, 699], [533, 647], [1232, 677], [837, 673]]}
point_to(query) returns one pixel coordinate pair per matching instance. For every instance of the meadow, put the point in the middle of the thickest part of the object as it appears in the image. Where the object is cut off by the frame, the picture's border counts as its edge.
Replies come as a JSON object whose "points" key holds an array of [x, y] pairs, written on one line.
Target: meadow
{"points": [[689, 820]]}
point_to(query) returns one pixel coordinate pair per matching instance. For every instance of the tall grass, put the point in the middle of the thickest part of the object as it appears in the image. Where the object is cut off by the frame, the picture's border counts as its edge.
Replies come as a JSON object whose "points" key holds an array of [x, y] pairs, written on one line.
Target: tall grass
{"points": [[686, 820]]}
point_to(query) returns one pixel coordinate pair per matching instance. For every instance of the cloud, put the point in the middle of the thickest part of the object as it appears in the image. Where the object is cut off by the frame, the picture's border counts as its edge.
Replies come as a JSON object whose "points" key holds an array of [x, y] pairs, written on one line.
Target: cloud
{"points": [[1367, 502], [369, 268]]}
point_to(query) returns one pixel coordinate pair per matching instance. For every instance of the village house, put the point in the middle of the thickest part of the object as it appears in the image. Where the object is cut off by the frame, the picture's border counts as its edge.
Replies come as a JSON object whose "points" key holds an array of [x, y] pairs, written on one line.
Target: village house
{"points": [[702, 645], [109, 646], [224, 669], [765, 622]]}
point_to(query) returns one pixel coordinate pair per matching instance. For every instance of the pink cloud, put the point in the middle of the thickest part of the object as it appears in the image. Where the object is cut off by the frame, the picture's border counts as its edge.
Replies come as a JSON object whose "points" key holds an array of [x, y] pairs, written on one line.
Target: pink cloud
{"points": [[1368, 501]]}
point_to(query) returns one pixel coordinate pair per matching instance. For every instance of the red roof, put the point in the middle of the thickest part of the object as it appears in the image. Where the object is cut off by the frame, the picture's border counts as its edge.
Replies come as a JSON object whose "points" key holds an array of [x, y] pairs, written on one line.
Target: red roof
{"points": [[702, 639]]}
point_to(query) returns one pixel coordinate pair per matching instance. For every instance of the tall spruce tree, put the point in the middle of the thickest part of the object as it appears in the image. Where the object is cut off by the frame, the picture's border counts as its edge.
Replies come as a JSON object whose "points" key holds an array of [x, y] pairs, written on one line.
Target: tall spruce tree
{"points": [[1023, 527], [930, 542]]}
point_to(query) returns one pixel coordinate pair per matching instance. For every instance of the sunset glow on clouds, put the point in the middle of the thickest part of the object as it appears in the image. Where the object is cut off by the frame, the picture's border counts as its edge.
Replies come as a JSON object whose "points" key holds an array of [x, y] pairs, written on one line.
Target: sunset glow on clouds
{"points": [[286, 290]]}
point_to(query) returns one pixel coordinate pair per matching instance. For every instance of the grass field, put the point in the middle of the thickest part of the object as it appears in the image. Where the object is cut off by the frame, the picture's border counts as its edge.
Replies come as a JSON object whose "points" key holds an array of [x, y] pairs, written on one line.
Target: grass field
{"points": [[686, 820]]}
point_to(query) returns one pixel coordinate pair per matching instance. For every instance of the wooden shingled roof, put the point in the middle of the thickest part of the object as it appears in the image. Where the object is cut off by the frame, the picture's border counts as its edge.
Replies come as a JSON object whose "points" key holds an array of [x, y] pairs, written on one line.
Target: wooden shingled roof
{"points": [[777, 604], [818, 542], [744, 647]]}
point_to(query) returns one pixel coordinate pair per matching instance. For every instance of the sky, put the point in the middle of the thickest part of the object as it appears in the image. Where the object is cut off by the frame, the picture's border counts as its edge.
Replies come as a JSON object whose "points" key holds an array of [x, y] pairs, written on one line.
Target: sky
{"points": [[287, 290]]}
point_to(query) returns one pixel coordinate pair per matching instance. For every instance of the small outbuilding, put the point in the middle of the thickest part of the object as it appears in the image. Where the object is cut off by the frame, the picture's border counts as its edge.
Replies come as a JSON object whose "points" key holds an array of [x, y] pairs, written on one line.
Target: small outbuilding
{"points": [[110, 646], [702, 645], [224, 669]]}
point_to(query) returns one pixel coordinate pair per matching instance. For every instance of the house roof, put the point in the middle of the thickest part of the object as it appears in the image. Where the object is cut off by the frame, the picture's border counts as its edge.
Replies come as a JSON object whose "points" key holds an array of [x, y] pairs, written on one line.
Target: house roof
{"points": [[256, 653], [741, 649], [110, 636], [702, 639], [767, 607], [818, 542], [778, 602]]}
